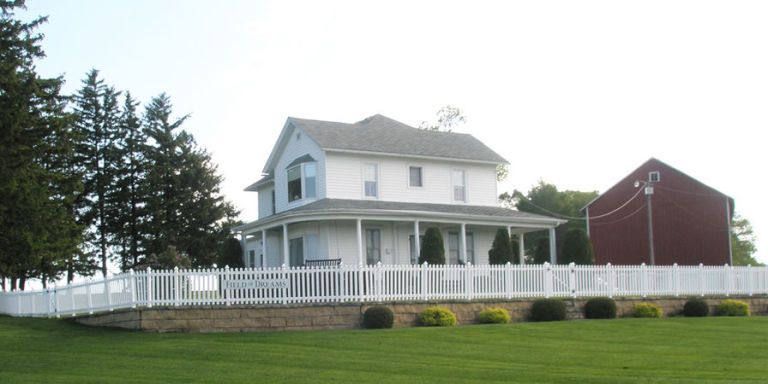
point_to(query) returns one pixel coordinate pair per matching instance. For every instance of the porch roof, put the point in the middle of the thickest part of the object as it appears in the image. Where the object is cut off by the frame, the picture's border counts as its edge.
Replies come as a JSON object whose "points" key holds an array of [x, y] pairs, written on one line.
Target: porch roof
{"points": [[383, 210]]}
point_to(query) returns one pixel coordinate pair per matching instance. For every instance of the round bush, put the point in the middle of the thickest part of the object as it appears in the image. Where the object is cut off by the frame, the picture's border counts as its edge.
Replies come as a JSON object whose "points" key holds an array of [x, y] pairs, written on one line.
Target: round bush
{"points": [[600, 308], [730, 307], [437, 317], [493, 316], [548, 310], [695, 308], [378, 317], [647, 310]]}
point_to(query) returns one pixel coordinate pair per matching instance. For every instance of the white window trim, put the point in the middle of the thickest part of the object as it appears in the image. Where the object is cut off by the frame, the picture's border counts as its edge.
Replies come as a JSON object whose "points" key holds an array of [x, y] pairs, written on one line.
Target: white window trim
{"points": [[466, 186], [302, 177], [408, 176], [378, 181]]}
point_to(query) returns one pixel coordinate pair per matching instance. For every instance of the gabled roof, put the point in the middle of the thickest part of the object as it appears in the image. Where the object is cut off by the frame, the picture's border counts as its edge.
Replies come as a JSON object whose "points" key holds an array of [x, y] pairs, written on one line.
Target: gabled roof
{"points": [[263, 181], [382, 135], [660, 163]]}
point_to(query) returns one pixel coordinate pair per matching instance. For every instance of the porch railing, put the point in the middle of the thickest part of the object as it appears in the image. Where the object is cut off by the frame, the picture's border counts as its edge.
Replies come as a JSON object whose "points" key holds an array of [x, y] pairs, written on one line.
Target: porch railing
{"points": [[378, 283]]}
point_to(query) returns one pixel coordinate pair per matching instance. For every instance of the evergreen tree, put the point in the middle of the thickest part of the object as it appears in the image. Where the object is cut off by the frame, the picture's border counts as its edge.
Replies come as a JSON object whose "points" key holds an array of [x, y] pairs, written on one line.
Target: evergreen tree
{"points": [[541, 252], [231, 254], [185, 207], [577, 248], [36, 229], [132, 189], [97, 113], [432, 248], [501, 250]]}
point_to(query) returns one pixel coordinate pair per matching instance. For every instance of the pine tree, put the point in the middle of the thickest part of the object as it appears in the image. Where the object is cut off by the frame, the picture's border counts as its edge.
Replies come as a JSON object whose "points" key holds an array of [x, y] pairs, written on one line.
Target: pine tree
{"points": [[131, 187], [36, 229], [186, 209], [97, 113], [432, 248], [577, 248], [501, 250]]}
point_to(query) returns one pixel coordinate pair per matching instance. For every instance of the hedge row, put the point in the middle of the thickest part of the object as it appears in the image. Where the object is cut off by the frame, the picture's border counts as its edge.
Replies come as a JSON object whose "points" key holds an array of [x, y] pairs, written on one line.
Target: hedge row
{"points": [[553, 310]]}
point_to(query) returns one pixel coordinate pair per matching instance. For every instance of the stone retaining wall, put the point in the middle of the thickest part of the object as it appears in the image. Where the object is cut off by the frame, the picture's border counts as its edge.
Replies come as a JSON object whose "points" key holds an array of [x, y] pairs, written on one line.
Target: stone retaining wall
{"points": [[337, 316]]}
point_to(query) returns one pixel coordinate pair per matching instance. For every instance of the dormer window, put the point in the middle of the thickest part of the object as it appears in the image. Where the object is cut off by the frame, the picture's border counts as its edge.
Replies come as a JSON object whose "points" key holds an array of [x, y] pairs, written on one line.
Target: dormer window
{"points": [[302, 179]]}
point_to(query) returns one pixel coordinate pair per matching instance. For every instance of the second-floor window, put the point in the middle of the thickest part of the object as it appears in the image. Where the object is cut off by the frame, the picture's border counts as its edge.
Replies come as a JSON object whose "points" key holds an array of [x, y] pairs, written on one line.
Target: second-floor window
{"points": [[414, 177], [371, 180], [302, 181], [458, 181]]}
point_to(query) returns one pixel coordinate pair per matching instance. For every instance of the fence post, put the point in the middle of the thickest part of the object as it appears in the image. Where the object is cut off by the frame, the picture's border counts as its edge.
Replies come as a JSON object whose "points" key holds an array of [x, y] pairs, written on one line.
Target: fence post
{"points": [[572, 279], [18, 302], [132, 282], [149, 287], [109, 295], [423, 275], [48, 300], [508, 280], [176, 287], [225, 290], [609, 278], [286, 276], [643, 278], [728, 279], [89, 296], [340, 276], [377, 272], [748, 279], [676, 279], [701, 279], [55, 302], [548, 280]]}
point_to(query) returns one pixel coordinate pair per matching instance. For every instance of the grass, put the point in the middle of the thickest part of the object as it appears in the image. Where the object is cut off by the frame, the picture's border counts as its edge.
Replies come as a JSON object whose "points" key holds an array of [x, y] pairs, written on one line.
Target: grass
{"points": [[686, 350]]}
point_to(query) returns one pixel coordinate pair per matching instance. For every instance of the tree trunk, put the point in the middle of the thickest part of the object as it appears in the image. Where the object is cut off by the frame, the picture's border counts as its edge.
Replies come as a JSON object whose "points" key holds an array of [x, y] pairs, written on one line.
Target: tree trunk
{"points": [[13, 283], [71, 270], [2, 283], [22, 282]]}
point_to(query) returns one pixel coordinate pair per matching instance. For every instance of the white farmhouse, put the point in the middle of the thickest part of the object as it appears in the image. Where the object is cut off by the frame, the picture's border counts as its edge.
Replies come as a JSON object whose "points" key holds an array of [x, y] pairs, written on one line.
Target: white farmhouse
{"points": [[359, 193]]}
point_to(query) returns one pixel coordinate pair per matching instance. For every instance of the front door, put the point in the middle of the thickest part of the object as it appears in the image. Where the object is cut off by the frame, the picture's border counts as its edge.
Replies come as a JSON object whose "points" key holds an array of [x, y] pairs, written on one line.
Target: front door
{"points": [[372, 245]]}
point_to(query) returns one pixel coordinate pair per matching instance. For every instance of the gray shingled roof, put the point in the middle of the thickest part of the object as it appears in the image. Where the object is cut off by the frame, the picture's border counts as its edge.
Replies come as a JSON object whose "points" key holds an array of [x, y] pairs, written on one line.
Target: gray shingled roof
{"points": [[381, 134], [377, 205], [299, 160], [264, 180]]}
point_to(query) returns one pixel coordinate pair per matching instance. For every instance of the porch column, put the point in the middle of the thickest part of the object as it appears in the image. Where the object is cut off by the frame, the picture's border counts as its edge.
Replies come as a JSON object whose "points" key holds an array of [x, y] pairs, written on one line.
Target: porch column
{"points": [[359, 241], [552, 247], [464, 242], [263, 247], [285, 245], [416, 239], [243, 243], [521, 247]]}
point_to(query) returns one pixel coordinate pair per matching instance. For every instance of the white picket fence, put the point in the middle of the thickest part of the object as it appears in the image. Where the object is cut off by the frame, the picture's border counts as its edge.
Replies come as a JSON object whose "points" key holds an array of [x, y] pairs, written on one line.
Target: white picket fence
{"points": [[379, 283]]}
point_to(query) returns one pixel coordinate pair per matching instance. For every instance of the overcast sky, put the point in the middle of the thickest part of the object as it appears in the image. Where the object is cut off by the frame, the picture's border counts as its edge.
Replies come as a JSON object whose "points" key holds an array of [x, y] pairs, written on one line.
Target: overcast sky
{"points": [[574, 93]]}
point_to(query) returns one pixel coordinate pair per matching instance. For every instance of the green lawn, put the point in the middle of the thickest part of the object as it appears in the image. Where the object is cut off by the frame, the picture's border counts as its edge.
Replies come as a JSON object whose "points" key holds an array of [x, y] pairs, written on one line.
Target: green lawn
{"points": [[607, 351]]}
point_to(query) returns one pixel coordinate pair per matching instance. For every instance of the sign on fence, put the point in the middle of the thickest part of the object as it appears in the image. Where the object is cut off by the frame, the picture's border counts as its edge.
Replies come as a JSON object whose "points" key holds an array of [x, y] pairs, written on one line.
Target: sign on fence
{"points": [[256, 284]]}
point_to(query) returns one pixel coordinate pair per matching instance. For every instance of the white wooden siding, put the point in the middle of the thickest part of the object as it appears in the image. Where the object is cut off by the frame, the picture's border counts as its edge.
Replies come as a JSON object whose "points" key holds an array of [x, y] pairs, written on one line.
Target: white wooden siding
{"points": [[265, 201], [345, 180], [295, 148]]}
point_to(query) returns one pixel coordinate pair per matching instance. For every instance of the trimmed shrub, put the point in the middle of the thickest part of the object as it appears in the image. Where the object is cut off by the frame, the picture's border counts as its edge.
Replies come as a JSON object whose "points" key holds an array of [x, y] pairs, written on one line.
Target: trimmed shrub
{"points": [[378, 317], [548, 310], [730, 307], [647, 310], [432, 249], [600, 308], [494, 316], [437, 317], [695, 308]]}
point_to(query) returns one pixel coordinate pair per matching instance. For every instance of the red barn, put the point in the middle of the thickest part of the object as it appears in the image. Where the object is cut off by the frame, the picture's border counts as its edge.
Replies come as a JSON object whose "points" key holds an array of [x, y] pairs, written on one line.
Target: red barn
{"points": [[659, 215]]}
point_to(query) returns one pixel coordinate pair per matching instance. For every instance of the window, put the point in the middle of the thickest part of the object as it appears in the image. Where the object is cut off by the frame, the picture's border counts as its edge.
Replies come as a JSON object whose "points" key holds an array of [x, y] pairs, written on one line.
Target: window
{"points": [[654, 177], [414, 175], [296, 252], [372, 245], [412, 244], [454, 248], [459, 185], [273, 201], [370, 180], [302, 177], [310, 179], [294, 183]]}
